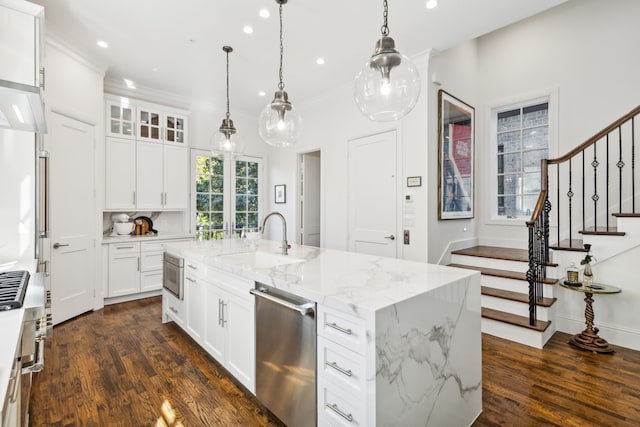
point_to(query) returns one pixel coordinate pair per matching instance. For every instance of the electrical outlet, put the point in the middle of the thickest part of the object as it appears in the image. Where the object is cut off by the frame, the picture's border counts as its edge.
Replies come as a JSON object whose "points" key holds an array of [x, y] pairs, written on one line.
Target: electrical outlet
{"points": [[406, 237]]}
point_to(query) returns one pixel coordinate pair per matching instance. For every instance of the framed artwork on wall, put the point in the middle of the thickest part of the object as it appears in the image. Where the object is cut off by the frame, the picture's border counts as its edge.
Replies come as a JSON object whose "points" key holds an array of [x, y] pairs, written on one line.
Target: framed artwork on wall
{"points": [[456, 125], [280, 193]]}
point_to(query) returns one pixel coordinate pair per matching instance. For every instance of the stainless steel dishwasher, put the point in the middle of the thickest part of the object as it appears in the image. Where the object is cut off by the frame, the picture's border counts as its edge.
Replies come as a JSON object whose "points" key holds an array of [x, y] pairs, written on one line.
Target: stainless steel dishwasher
{"points": [[286, 355]]}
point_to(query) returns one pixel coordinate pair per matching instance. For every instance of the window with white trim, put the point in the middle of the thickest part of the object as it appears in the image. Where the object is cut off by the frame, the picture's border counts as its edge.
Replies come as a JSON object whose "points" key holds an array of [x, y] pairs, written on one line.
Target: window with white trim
{"points": [[522, 140]]}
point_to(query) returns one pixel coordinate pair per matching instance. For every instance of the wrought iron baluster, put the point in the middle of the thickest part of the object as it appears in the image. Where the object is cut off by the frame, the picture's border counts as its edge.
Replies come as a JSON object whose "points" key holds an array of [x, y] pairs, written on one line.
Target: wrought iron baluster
{"points": [[620, 165], [570, 196], [607, 186], [583, 198], [558, 199], [633, 166], [595, 197]]}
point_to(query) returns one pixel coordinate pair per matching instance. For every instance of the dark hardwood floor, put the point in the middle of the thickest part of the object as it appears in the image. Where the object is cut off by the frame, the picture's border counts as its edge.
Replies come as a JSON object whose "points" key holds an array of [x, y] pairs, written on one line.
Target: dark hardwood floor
{"points": [[116, 366]]}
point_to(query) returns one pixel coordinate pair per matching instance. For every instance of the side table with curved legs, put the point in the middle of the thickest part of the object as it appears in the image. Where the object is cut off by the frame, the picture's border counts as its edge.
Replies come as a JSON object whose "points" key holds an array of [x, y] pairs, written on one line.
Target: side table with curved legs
{"points": [[589, 339]]}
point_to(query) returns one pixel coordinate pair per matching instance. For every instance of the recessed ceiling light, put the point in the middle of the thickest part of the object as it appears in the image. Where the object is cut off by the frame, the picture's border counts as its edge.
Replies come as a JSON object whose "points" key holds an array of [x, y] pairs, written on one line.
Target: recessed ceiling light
{"points": [[248, 29], [102, 44], [264, 13], [129, 84], [320, 61], [431, 4], [262, 93]]}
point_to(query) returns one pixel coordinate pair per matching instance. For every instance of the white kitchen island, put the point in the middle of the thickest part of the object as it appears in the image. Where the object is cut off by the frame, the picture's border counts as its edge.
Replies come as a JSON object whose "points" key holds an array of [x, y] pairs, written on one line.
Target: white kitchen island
{"points": [[413, 348]]}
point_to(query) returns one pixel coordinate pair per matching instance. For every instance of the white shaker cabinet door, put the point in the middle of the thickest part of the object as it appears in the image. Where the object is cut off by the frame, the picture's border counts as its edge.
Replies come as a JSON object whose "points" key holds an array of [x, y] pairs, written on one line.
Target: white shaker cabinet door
{"points": [[120, 174], [176, 177], [150, 170], [240, 324], [124, 274], [215, 330], [195, 301]]}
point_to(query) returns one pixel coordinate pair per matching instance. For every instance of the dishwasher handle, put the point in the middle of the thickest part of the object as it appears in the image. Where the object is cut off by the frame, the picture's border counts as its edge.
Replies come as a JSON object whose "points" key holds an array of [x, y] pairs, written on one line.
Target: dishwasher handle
{"points": [[303, 309]]}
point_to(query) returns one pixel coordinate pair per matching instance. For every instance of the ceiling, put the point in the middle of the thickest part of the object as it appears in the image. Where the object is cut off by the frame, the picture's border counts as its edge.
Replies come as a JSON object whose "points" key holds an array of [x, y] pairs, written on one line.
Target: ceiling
{"points": [[176, 46]]}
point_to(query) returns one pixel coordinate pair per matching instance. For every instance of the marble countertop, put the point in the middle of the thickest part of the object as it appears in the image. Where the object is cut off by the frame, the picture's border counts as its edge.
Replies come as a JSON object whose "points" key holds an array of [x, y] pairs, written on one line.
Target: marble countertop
{"points": [[131, 238], [344, 280]]}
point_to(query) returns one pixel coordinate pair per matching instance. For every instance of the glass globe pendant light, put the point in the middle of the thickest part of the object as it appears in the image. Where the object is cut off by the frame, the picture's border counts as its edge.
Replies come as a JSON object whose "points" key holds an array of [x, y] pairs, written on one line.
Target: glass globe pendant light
{"points": [[280, 124], [388, 86], [226, 139]]}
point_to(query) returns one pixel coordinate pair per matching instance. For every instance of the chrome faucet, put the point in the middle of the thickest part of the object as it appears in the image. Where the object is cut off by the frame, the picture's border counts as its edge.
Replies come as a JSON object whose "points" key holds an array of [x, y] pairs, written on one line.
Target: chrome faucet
{"points": [[285, 245]]}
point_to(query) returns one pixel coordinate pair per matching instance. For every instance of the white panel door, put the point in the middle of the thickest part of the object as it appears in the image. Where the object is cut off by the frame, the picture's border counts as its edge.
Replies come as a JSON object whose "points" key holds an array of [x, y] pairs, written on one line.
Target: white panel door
{"points": [[73, 213], [310, 199], [372, 195]]}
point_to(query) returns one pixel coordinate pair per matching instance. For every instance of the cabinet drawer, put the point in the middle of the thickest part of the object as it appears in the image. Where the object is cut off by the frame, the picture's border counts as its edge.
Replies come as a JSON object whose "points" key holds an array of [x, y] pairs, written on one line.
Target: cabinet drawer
{"points": [[150, 261], [336, 408], [173, 307], [152, 246], [341, 366], [344, 329], [128, 247], [151, 281]]}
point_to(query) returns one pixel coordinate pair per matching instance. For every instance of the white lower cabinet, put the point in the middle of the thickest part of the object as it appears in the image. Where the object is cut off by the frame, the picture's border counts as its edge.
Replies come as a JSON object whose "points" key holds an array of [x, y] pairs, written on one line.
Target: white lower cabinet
{"points": [[173, 308], [341, 369], [135, 267], [124, 269], [220, 317]]}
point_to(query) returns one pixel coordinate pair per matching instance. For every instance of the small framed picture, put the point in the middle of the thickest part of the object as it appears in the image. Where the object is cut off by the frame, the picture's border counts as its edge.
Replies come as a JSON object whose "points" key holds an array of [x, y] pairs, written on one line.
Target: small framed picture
{"points": [[280, 193]]}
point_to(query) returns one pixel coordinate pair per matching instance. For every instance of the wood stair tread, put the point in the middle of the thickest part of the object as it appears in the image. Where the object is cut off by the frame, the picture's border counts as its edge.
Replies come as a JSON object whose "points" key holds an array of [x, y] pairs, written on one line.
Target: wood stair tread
{"points": [[626, 215], [494, 252], [516, 275], [602, 231], [515, 296], [514, 319]]}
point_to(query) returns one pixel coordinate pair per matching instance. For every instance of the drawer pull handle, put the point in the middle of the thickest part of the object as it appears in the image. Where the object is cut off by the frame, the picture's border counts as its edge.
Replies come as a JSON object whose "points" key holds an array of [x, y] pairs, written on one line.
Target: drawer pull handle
{"points": [[190, 279], [335, 409], [117, 247], [193, 267], [173, 309], [338, 328], [335, 366]]}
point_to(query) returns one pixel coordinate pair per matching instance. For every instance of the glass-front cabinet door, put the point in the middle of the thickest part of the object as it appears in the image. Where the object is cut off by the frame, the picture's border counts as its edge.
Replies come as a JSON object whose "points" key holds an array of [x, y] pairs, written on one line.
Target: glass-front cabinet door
{"points": [[175, 129], [149, 124], [227, 195], [121, 120]]}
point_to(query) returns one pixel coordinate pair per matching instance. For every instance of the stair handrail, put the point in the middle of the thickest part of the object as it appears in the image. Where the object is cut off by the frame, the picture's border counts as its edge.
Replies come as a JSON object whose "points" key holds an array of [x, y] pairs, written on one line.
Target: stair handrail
{"points": [[538, 225]]}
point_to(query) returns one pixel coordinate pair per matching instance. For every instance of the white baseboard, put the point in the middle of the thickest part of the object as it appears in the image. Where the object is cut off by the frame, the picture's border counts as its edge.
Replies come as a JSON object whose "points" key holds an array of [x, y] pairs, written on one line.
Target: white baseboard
{"points": [[614, 334], [445, 258], [132, 297]]}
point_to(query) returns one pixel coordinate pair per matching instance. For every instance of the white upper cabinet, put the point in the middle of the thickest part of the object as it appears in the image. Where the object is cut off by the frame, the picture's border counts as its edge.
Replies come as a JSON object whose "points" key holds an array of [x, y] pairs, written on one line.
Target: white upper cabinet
{"points": [[121, 120], [21, 30], [150, 123], [175, 126], [147, 160]]}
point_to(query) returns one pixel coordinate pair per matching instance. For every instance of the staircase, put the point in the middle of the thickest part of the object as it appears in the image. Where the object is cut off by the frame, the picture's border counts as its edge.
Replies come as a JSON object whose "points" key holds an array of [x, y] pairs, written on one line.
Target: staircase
{"points": [[505, 294], [587, 196]]}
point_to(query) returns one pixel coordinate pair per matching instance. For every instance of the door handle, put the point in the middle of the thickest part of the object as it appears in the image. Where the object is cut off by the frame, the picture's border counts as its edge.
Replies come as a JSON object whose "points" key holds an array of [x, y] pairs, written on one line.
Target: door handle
{"points": [[58, 245], [392, 237]]}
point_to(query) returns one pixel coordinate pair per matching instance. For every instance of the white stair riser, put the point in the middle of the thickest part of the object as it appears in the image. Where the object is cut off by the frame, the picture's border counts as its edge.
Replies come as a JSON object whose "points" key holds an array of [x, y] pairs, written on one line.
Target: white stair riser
{"points": [[515, 307], [513, 285], [500, 264], [516, 333]]}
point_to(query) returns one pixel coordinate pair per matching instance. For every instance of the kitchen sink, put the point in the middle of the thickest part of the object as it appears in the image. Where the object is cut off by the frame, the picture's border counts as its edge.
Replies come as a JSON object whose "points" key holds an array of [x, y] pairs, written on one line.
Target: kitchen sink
{"points": [[259, 259]]}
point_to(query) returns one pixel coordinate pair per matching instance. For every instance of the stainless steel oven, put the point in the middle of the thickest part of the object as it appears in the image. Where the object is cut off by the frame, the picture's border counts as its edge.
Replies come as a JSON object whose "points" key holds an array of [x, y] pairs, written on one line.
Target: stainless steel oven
{"points": [[173, 274]]}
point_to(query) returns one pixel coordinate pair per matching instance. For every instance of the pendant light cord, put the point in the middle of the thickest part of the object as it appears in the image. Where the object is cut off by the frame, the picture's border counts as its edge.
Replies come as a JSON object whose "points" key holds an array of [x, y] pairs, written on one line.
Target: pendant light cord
{"points": [[227, 84], [281, 84], [385, 15]]}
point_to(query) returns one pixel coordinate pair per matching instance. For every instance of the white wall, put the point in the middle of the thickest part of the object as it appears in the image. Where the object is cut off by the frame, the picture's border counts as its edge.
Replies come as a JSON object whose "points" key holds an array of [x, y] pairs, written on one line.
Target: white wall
{"points": [[329, 122], [580, 49]]}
